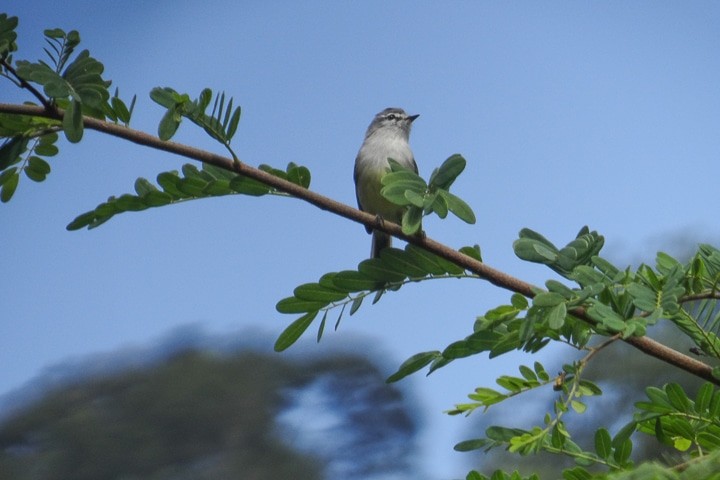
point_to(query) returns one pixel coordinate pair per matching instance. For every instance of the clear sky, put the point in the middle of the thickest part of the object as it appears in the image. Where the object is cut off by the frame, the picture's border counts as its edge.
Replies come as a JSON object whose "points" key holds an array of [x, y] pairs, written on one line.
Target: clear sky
{"points": [[568, 113]]}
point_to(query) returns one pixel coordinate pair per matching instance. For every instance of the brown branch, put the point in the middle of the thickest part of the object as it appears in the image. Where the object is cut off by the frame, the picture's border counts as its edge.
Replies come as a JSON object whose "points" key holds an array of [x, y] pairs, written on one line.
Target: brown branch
{"points": [[714, 295], [496, 277]]}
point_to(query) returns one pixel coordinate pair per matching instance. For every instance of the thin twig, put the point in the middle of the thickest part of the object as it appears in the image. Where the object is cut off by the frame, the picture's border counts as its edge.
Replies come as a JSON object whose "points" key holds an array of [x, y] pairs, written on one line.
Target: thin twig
{"points": [[713, 295], [24, 84]]}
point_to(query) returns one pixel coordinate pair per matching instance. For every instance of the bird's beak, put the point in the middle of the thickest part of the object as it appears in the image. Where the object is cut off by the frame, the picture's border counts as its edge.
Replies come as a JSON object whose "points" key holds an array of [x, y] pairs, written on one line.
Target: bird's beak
{"points": [[412, 118]]}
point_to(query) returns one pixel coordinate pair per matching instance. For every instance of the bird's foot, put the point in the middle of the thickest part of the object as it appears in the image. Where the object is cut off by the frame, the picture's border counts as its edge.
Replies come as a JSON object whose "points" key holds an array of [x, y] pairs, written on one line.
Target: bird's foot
{"points": [[379, 221]]}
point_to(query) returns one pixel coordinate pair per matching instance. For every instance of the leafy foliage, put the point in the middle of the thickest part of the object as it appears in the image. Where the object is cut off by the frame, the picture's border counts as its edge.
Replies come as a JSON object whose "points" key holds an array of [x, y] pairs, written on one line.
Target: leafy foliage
{"points": [[192, 185], [221, 124], [374, 276], [80, 88], [21, 154], [406, 188], [71, 82], [618, 304], [7, 35]]}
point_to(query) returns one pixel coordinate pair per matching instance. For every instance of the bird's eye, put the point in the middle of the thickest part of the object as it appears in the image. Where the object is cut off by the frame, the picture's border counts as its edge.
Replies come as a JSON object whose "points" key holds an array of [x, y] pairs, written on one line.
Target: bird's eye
{"points": [[391, 116]]}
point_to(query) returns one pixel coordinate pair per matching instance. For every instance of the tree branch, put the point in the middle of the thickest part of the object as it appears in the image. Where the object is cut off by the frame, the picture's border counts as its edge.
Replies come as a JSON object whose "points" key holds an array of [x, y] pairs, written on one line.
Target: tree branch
{"points": [[496, 277], [714, 295]]}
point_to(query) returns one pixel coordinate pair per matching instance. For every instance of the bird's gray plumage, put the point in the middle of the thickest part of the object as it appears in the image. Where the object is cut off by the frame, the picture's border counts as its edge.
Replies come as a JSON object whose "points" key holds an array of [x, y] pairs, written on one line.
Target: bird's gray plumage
{"points": [[387, 137]]}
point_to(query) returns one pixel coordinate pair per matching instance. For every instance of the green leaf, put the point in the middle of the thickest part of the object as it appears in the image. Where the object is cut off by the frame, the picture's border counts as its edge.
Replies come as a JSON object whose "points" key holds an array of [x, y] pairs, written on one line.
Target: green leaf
{"points": [[469, 346], [624, 434], [578, 406], [7, 174], [357, 301], [156, 199], [469, 445], [298, 305], [72, 122], [451, 168], [703, 397], [487, 396], [607, 317], [218, 173], [396, 194], [291, 334], [404, 180], [528, 373], [39, 165], [131, 203], [439, 206], [556, 316], [413, 364], [9, 186], [622, 451], [682, 444], [533, 251], [53, 84], [658, 397], [561, 289], [379, 270], [519, 301], [548, 299], [11, 150], [643, 297], [603, 443], [143, 186], [120, 109], [415, 199], [298, 175], [218, 188], [46, 149], [411, 220], [233, 124], [400, 261], [318, 293], [677, 397], [473, 475], [7, 35], [351, 281], [541, 372], [588, 388], [249, 186], [472, 252], [169, 124], [170, 182], [425, 260], [165, 96], [458, 206], [37, 169], [576, 473], [321, 328], [84, 76], [193, 187]]}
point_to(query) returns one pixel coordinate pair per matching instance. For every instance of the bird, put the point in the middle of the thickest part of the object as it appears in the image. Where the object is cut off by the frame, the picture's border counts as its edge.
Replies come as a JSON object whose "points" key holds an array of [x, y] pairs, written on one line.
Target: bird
{"points": [[387, 137]]}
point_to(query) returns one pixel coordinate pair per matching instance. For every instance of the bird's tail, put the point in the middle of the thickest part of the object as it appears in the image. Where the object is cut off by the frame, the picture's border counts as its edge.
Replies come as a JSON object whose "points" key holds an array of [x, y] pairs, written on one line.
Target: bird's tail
{"points": [[380, 240]]}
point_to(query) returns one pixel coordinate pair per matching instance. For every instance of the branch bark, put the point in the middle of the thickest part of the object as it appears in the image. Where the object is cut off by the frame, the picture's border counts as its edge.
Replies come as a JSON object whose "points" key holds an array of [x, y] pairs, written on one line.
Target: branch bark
{"points": [[496, 277]]}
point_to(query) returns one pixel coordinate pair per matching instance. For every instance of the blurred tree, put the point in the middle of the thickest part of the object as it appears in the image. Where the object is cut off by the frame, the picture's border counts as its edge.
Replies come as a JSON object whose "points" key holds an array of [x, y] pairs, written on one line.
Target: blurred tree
{"points": [[202, 415]]}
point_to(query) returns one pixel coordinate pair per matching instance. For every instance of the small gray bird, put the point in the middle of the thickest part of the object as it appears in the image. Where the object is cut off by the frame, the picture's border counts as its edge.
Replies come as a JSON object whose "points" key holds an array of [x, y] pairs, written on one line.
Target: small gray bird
{"points": [[386, 137]]}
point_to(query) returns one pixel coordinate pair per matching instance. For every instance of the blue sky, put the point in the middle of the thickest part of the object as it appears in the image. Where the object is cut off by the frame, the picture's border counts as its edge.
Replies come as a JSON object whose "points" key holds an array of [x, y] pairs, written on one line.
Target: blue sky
{"points": [[568, 113]]}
